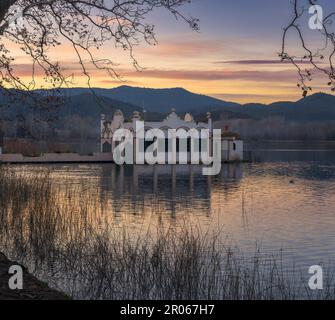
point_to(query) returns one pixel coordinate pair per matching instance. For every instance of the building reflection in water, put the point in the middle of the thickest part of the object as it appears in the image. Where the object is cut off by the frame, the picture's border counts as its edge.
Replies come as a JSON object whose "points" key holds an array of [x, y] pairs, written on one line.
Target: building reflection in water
{"points": [[164, 190]]}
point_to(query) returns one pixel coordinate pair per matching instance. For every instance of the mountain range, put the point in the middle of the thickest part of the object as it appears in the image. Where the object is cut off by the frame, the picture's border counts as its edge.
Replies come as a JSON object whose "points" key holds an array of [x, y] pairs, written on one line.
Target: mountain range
{"points": [[158, 102], [316, 107]]}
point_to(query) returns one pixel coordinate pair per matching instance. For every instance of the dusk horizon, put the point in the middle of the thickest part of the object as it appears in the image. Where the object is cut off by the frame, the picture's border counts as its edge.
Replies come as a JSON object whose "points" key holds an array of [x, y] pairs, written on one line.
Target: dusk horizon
{"points": [[219, 97], [232, 56]]}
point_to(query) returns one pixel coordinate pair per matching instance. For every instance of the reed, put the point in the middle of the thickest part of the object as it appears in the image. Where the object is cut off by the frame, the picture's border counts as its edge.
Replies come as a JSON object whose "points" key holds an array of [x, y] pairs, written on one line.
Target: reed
{"points": [[65, 236]]}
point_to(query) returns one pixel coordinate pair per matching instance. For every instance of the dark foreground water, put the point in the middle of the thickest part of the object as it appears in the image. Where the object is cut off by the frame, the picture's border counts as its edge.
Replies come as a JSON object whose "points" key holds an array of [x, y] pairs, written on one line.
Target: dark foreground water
{"points": [[276, 204], [284, 203]]}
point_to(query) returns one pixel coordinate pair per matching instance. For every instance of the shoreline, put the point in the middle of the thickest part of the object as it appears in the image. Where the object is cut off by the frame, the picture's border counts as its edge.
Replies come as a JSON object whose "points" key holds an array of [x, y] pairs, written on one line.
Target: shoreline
{"points": [[33, 289]]}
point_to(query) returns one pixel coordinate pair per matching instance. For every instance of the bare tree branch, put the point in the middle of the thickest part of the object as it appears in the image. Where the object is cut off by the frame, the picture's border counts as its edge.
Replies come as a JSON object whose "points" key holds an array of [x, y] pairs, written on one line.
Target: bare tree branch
{"points": [[320, 60], [41, 27], [86, 24]]}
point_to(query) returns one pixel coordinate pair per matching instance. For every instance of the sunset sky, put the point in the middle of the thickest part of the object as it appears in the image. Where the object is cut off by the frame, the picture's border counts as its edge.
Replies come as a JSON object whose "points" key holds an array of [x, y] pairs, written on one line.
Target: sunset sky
{"points": [[233, 57]]}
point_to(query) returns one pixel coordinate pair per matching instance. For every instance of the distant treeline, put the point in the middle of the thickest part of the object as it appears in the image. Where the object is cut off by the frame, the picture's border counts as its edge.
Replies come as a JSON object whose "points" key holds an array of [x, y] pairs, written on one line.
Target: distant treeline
{"points": [[279, 129], [75, 116], [87, 128]]}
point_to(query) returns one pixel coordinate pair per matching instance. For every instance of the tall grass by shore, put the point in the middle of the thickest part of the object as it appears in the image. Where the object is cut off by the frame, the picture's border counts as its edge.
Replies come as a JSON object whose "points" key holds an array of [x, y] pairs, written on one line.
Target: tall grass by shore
{"points": [[64, 235]]}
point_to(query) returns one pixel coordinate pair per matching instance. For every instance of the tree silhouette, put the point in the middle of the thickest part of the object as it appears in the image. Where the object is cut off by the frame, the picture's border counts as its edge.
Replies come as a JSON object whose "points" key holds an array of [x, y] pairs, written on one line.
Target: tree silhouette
{"points": [[313, 61], [40, 26]]}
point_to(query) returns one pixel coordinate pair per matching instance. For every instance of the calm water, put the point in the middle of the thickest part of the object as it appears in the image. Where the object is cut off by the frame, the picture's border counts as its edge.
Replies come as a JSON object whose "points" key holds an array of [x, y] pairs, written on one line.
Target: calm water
{"points": [[287, 205]]}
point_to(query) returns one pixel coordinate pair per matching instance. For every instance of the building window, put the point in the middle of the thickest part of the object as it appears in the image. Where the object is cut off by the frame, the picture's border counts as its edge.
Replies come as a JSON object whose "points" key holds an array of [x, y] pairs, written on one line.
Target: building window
{"points": [[234, 146], [106, 147]]}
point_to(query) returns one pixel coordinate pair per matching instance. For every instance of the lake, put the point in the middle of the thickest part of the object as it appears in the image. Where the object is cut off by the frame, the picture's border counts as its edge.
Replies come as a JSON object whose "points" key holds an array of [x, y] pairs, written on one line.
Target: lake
{"points": [[284, 203]]}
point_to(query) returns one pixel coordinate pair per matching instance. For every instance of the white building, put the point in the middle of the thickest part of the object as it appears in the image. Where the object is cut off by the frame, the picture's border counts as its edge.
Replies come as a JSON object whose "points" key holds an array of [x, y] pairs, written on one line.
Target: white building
{"points": [[232, 145]]}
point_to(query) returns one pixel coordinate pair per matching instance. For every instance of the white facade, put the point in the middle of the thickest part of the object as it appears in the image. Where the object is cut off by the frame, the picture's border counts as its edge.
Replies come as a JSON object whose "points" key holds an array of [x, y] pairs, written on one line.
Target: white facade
{"points": [[232, 146], [232, 149]]}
